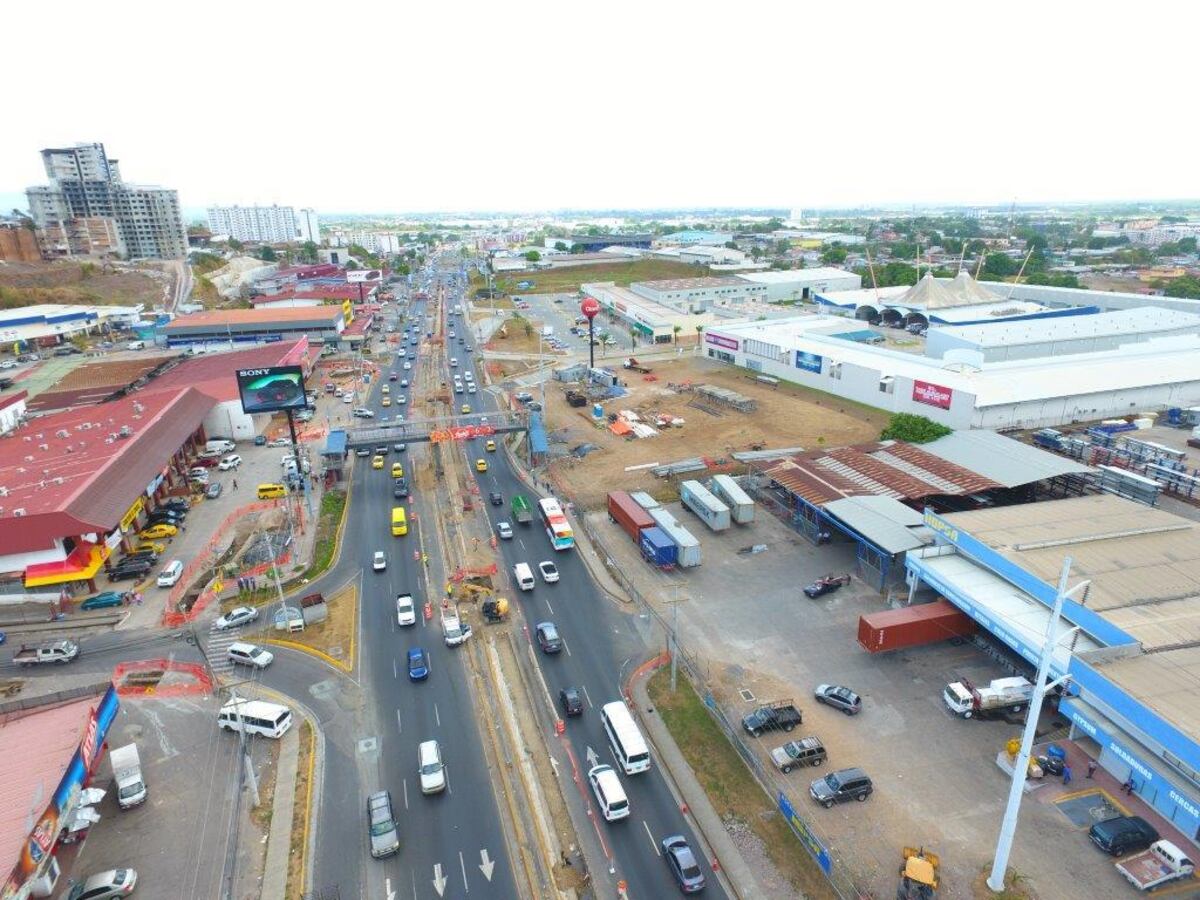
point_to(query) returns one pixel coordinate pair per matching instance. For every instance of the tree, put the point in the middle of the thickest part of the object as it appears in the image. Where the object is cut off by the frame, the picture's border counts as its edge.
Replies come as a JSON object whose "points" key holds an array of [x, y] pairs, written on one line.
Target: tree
{"points": [[1186, 286], [266, 254], [352, 264], [308, 252], [533, 256], [756, 252], [913, 429], [578, 248], [676, 329], [561, 245], [235, 244], [997, 266], [782, 248], [1053, 279], [835, 255]]}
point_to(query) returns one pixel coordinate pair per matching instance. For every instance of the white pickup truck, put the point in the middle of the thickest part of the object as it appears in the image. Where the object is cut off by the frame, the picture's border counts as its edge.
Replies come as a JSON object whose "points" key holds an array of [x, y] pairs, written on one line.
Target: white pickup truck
{"points": [[1161, 862], [61, 652], [454, 630]]}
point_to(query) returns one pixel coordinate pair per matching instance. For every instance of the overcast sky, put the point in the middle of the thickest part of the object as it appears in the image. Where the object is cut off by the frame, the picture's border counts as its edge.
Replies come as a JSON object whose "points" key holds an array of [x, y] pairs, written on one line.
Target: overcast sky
{"points": [[377, 107]]}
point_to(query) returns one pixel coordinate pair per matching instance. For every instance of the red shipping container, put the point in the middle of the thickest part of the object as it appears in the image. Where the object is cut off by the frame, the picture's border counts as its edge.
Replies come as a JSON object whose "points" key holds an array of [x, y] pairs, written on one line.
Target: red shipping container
{"points": [[913, 626], [627, 513]]}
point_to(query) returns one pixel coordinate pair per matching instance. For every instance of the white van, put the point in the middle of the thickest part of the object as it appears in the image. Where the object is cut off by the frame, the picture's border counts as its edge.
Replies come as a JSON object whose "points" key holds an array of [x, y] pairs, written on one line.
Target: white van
{"points": [[626, 741], [137, 345], [609, 793], [524, 576], [255, 717], [219, 446]]}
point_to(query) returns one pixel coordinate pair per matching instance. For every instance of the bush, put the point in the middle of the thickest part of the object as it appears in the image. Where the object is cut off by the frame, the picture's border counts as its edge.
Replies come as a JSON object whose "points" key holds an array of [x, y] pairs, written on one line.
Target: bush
{"points": [[913, 429]]}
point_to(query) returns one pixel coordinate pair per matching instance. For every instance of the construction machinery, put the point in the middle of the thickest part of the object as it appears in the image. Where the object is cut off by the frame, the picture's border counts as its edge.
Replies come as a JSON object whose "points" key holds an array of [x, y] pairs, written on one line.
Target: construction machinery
{"points": [[634, 366], [495, 610], [918, 875]]}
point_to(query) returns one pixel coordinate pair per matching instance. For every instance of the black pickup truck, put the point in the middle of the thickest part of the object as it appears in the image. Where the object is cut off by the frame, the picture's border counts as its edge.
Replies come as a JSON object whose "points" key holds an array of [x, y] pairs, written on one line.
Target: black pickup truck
{"points": [[781, 715]]}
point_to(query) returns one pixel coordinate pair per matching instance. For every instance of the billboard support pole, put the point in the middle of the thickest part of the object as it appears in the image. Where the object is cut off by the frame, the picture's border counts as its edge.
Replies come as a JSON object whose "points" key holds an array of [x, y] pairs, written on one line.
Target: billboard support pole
{"points": [[591, 342]]}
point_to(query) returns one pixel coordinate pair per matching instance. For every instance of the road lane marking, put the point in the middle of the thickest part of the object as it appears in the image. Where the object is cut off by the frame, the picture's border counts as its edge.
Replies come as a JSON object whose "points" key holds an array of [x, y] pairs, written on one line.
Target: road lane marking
{"points": [[551, 608], [406, 793], [399, 727], [463, 865], [566, 646], [436, 715], [395, 668], [657, 852], [588, 696]]}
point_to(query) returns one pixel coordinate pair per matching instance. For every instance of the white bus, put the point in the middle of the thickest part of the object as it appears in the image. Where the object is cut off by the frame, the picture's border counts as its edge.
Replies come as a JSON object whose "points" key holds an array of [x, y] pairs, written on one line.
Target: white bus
{"points": [[628, 745], [554, 520], [255, 717]]}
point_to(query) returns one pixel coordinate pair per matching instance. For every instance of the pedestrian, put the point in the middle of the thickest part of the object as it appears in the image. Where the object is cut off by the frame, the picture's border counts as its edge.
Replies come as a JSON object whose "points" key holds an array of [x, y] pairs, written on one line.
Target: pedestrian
{"points": [[235, 484], [1091, 768], [138, 598], [1066, 775], [1127, 787]]}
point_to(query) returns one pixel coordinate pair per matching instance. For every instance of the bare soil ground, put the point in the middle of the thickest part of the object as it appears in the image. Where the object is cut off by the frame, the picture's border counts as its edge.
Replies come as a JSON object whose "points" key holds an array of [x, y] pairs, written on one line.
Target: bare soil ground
{"points": [[61, 281], [568, 278], [786, 416]]}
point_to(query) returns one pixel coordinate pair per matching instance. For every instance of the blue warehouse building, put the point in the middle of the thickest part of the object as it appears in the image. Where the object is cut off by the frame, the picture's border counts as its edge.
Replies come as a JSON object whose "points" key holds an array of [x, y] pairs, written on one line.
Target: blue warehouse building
{"points": [[1133, 698]]}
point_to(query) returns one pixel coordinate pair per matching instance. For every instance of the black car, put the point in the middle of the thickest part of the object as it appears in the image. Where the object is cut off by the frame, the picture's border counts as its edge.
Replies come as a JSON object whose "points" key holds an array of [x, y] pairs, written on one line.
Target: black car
{"points": [[548, 639], [138, 556], [839, 698], [683, 864], [1123, 834], [572, 702], [399, 488], [176, 503], [280, 391], [840, 786], [496, 498], [125, 571], [163, 518]]}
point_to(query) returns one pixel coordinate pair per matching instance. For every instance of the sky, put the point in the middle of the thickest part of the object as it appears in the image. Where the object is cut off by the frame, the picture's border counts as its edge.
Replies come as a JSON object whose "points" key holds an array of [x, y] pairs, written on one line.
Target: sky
{"points": [[530, 106]]}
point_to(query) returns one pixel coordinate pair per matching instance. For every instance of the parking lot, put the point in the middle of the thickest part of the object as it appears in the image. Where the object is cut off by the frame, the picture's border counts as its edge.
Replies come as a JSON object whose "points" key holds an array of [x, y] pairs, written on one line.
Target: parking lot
{"points": [[936, 781], [181, 839]]}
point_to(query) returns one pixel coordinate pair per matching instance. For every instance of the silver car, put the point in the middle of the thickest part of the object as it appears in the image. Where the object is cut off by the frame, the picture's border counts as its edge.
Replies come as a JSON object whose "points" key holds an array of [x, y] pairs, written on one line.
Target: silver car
{"points": [[381, 825], [103, 885]]}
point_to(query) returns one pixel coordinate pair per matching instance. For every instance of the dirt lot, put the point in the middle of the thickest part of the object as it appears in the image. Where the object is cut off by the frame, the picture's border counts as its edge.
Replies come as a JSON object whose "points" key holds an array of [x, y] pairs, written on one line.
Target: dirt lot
{"points": [[786, 416], [23, 284], [568, 278]]}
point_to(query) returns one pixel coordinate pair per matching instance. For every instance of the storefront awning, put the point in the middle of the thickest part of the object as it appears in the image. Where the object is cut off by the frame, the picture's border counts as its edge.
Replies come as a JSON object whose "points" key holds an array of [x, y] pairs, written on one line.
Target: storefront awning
{"points": [[83, 563]]}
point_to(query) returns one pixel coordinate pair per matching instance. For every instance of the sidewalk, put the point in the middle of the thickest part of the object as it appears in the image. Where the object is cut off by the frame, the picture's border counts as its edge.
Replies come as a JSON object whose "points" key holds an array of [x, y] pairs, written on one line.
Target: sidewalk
{"points": [[735, 871], [275, 869]]}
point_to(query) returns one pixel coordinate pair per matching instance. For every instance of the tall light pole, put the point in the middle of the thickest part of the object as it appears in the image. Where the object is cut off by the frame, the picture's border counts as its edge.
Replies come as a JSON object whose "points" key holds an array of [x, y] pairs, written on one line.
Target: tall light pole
{"points": [[1008, 827]]}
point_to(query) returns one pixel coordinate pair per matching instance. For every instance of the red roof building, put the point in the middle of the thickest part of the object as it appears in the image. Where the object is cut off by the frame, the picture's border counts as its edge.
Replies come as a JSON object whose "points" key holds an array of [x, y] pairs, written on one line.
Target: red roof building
{"points": [[213, 373]]}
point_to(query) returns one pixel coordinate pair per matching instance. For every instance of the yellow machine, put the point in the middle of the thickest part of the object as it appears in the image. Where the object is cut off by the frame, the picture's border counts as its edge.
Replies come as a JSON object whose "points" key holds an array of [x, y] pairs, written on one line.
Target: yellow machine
{"points": [[495, 610], [918, 875]]}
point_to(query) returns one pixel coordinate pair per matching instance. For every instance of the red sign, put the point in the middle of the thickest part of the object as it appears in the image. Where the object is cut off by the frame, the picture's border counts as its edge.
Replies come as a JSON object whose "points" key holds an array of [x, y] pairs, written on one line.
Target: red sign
{"points": [[590, 307], [932, 394]]}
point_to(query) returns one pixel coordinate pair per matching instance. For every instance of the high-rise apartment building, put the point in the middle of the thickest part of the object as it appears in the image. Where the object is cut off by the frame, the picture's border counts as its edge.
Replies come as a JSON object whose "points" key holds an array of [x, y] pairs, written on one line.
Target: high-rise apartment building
{"points": [[267, 224], [87, 209]]}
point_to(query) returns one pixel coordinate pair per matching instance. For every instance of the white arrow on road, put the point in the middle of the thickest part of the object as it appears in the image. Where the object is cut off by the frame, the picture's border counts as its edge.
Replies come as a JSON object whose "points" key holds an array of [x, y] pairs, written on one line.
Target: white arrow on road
{"points": [[387, 883], [592, 758], [439, 880], [487, 865]]}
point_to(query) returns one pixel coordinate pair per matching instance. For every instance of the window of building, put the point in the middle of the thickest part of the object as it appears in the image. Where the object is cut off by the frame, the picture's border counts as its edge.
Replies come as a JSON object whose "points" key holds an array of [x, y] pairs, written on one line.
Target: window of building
{"points": [[835, 370], [886, 385]]}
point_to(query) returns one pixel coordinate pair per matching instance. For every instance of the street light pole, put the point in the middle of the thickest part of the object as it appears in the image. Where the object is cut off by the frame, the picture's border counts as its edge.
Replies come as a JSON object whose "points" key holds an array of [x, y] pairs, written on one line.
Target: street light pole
{"points": [[1008, 826]]}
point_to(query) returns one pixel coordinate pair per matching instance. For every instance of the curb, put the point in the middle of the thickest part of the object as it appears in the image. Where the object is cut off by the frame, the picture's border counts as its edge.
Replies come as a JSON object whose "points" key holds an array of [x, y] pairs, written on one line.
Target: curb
{"points": [[346, 667]]}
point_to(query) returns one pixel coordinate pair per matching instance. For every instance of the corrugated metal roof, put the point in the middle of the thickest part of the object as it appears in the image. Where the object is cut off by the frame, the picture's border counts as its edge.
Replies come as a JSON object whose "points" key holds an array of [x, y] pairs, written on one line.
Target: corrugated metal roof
{"points": [[1002, 459], [885, 522]]}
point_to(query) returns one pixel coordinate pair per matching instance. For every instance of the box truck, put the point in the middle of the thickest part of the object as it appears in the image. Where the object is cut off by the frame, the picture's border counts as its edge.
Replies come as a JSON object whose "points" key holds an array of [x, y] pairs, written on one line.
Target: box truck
{"points": [[700, 500], [1001, 696], [741, 507], [127, 770]]}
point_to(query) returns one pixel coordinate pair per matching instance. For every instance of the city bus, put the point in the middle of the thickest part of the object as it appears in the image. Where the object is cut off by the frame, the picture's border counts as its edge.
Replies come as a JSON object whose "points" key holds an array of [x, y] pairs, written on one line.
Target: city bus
{"points": [[628, 745], [399, 522], [558, 529]]}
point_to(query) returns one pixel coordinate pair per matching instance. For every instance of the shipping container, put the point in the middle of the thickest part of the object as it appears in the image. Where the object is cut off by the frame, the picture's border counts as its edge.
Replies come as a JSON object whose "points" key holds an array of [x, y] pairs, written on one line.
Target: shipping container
{"points": [[741, 507], [644, 500], [913, 626], [700, 500], [658, 548], [686, 546], [631, 517]]}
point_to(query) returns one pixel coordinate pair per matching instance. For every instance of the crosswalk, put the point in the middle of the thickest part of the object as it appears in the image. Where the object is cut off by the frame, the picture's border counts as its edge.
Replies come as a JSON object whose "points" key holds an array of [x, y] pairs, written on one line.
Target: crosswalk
{"points": [[216, 648]]}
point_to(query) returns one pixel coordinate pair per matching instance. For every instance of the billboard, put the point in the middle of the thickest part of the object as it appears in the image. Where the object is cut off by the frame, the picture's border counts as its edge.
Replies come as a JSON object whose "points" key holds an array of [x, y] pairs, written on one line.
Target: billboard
{"points": [[358, 276], [932, 394], [272, 389], [718, 340], [809, 362]]}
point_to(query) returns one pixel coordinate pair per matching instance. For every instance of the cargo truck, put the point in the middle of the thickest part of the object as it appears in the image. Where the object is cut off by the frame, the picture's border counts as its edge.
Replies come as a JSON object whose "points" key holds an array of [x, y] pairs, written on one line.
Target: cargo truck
{"points": [[520, 510], [686, 546], [913, 626], [127, 771], [1162, 862], [632, 518], [999, 697], [700, 500], [741, 507]]}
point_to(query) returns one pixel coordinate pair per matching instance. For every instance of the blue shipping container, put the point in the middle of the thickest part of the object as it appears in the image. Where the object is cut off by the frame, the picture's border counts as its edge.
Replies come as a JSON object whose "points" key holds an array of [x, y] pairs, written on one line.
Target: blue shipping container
{"points": [[657, 547]]}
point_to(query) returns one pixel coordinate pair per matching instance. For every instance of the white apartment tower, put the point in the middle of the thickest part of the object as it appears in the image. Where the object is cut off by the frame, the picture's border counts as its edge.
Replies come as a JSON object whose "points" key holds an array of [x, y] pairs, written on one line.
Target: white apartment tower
{"points": [[265, 224]]}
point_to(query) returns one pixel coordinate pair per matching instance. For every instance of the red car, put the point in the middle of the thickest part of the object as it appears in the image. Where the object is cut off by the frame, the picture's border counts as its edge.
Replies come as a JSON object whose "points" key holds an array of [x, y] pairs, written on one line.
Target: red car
{"points": [[206, 463]]}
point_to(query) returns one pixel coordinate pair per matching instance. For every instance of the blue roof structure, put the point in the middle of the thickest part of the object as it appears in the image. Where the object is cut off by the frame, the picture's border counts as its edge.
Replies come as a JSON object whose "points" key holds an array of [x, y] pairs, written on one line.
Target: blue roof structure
{"points": [[537, 434], [335, 444]]}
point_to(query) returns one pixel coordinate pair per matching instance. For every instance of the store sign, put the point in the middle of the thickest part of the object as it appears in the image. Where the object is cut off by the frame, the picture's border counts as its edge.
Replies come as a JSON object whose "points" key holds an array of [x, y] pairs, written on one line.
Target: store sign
{"points": [[720, 341], [132, 513], [932, 394], [809, 362], [363, 276]]}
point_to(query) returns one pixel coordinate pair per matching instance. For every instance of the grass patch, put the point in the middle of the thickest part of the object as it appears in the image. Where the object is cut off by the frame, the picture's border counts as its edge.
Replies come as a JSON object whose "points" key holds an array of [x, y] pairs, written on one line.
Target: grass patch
{"points": [[568, 279], [730, 787], [329, 521], [297, 850]]}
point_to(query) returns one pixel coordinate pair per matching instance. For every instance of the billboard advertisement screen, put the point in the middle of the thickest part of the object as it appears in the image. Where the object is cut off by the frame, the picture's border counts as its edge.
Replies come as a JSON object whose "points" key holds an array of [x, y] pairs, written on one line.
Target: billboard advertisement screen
{"points": [[272, 389], [357, 276], [932, 394], [809, 362], [721, 341]]}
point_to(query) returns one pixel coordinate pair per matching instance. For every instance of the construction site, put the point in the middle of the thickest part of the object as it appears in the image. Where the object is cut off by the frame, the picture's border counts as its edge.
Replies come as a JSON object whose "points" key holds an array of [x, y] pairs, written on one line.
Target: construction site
{"points": [[683, 416]]}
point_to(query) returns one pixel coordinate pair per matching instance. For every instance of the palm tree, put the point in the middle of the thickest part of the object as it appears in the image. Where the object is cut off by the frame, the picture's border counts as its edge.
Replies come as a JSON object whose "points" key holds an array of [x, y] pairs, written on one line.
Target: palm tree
{"points": [[677, 329]]}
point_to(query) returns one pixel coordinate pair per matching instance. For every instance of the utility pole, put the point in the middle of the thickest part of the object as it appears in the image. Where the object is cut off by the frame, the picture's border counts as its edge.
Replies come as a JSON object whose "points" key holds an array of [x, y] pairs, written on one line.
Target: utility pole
{"points": [[1008, 827], [674, 635]]}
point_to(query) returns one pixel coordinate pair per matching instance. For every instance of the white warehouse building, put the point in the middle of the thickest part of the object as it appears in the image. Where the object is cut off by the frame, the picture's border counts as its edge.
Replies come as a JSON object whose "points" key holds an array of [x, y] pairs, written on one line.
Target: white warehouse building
{"points": [[825, 353], [794, 285]]}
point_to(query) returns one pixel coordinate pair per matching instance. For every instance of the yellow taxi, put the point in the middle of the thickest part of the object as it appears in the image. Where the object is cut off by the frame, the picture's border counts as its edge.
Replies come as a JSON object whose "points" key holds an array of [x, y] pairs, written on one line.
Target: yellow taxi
{"points": [[386, 401], [466, 408], [397, 469], [158, 532], [481, 465], [490, 446], [152, 546], [377, 462]]}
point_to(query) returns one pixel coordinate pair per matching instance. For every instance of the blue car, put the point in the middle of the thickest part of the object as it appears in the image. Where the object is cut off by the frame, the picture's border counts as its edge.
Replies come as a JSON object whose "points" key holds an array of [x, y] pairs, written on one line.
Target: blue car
{"points": [[418, 664], [107, 600]]}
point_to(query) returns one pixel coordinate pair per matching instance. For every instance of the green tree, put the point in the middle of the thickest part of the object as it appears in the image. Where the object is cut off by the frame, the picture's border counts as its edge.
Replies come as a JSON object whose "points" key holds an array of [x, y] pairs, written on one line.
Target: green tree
{"points": [[676, 329], [1054, 279], [578, 248], [266, 254], [782, 248], [998, 266], [903, 249], [235, 244], [308, 252], [532, 256], [756, 252], [834, 255], [1186, 286], [913, 429], [561, 245]]}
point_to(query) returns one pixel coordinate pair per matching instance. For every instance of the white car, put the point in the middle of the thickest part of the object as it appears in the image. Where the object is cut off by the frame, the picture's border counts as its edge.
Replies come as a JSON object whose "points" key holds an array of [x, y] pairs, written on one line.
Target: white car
{"points": [[362, 412], [549, 571], [239, 615], [407, 365], [229, 462], [504, 530], [347, 397], [402, 399], [380, 561], [431, 767], [8, 364], [280, 442], [406, 613], [170, 574]]}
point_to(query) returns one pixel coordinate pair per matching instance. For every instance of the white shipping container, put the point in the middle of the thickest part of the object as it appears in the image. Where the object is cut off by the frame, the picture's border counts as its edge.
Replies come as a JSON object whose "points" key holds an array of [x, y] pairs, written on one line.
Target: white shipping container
{"points": [[741, 507], [644, 500], [684, 541], [700, 500]]}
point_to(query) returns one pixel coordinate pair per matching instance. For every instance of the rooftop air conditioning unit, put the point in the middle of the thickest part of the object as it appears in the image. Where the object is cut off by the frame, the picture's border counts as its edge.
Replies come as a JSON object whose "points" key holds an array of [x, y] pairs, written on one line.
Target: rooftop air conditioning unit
{"points": [[58, 480], [62, 433], [19, 511], [43, 446], [125, 431], [3, 491]]}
